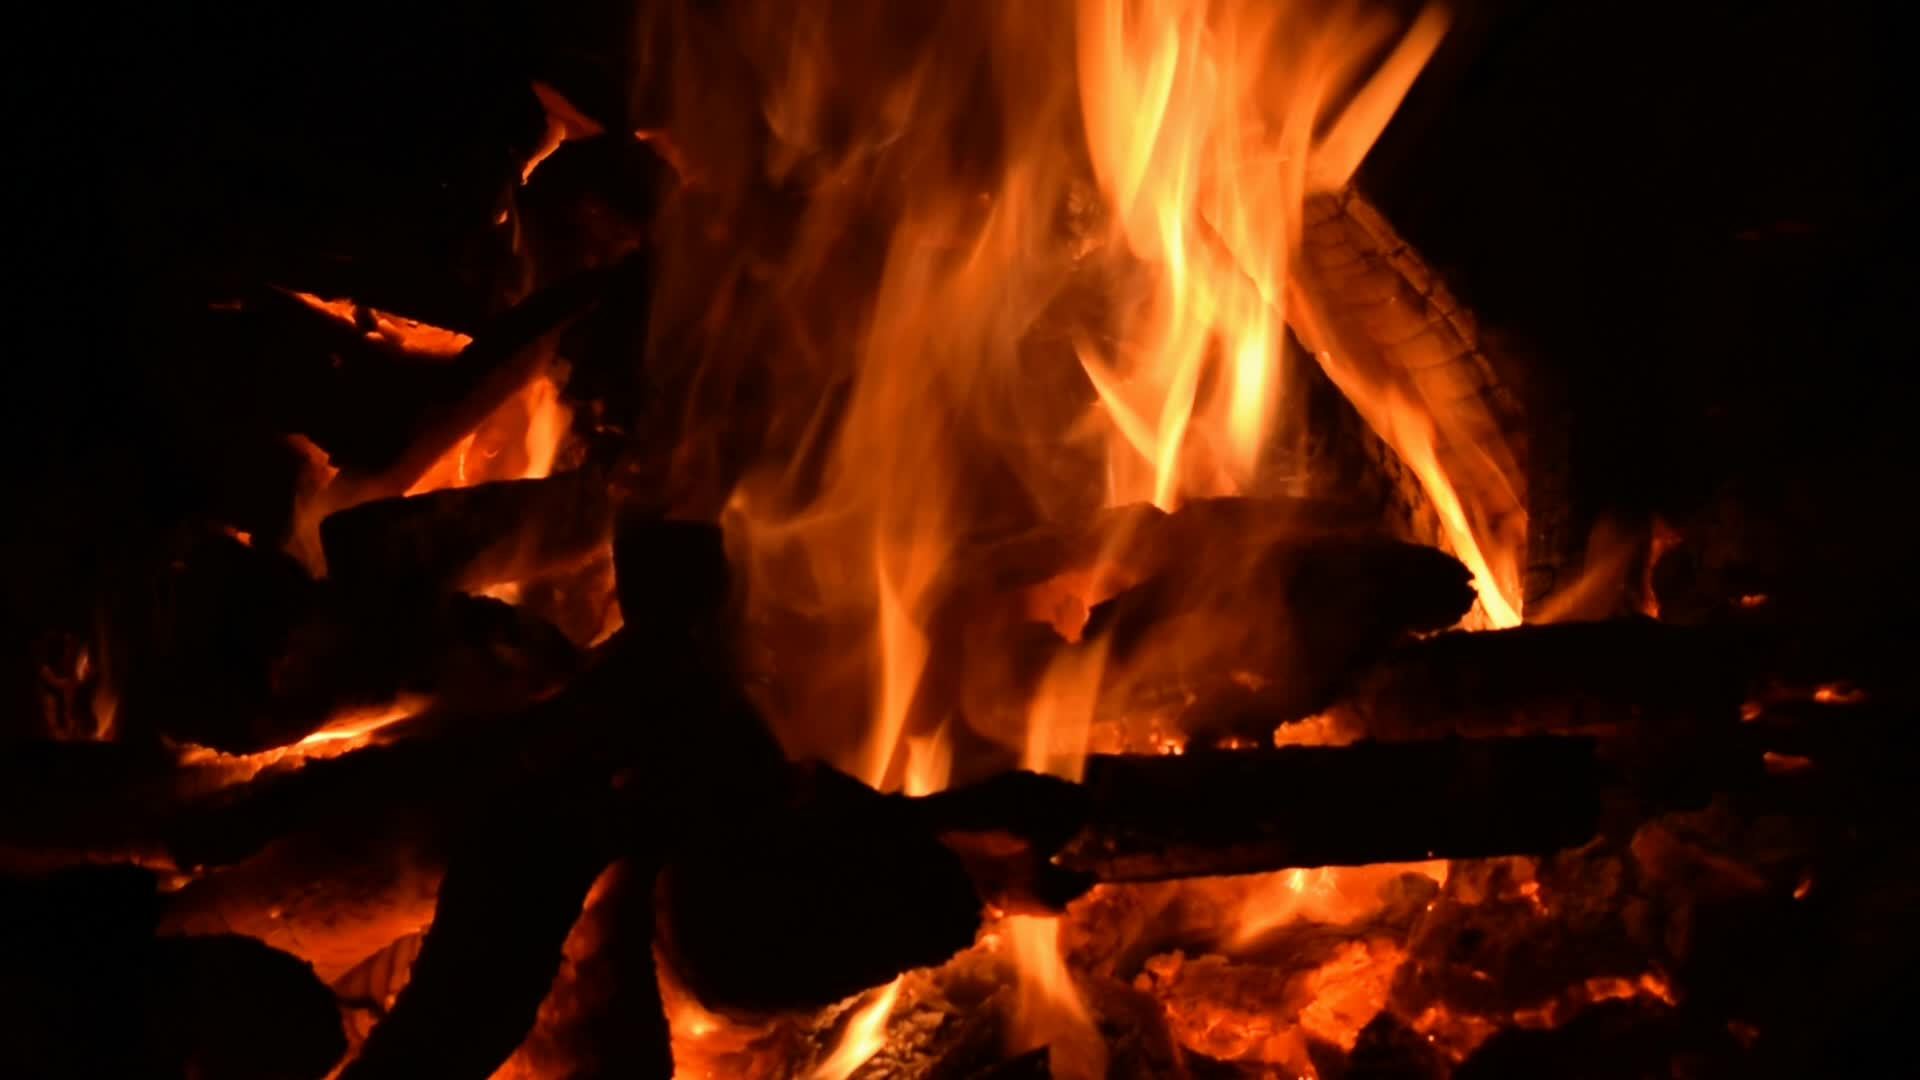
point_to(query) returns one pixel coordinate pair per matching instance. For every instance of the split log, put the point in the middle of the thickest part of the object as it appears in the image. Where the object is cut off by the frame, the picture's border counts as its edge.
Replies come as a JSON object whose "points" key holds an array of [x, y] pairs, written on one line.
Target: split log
{"points": [[1389, 333], [472, 537], [1154, 818], [1600, 678]]}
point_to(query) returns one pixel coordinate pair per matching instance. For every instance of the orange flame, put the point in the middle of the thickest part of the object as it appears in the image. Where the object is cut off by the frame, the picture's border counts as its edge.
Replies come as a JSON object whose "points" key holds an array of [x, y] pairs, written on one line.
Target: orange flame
{"points": [[866, 1033]]}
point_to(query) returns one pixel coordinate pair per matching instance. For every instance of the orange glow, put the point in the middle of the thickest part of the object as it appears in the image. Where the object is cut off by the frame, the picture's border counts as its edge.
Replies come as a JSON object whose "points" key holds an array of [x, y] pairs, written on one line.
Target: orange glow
{"points": [[866, 1033], [1322, 895], [518, 442], [1839, 694], [408, 335], [564, 122], [1049, 1010], [348, 731]]}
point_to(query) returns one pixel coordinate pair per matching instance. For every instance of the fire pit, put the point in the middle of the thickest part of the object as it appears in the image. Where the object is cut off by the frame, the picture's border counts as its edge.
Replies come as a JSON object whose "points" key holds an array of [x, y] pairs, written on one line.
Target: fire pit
{"points": [[1114, 538]]}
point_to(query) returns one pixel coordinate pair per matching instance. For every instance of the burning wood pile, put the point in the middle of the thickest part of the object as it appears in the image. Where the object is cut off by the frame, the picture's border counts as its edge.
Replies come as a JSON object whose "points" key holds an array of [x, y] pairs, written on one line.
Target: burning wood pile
{"points": [[954, 543]]}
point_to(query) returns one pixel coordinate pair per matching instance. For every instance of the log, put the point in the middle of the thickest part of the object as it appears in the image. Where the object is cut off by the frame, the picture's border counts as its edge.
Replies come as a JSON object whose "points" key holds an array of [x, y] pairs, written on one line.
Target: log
{"points": [[472, 537], [1600, 678], [1200, 814], [231, 646], [512, 890], [839, 893], [510, 350], [1225, 645], [1389, 333], [603, 1016]]}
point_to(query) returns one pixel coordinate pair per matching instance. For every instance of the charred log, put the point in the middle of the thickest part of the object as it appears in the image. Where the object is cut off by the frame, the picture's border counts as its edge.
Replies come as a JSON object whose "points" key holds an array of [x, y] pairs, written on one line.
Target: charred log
{"points": [[1387, 329], [1601, 678], [1233, 640], [472, 537], [1232, 813], [512, 890], [510, 350], [603, 1015], [863, 895]]}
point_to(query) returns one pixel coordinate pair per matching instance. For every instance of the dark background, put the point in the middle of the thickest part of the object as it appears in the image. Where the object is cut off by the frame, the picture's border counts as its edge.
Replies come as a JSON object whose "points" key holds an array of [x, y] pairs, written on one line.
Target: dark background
{"points": [[1690, 216]]}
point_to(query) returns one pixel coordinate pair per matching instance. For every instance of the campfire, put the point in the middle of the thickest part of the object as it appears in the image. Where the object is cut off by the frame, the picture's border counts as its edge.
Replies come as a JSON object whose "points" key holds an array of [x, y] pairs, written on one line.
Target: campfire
{"points": [[924, 542]]}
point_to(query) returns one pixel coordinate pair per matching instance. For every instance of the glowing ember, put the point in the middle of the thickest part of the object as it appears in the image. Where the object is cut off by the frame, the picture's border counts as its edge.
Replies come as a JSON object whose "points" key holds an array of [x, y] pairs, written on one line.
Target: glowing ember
{"points": [[408, 335]]}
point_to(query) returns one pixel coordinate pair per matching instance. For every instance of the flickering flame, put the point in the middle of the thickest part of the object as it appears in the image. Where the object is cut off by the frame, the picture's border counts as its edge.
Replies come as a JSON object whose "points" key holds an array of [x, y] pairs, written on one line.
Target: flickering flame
{"points": [[1322, 895], [1049, 1010], [965, 328], [564, 122], [866, 1033], [518, 442]]}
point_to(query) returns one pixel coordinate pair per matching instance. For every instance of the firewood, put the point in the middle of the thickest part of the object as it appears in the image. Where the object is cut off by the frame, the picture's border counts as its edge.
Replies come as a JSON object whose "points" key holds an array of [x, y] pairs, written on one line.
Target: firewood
{"points": [[838, 894], [1237, 640], [512, 890], [231, 646], [1603, 678], [1158, 817], [1387, 330], [503, 356], [472, 537], [603, 1015], [230, 1008]]}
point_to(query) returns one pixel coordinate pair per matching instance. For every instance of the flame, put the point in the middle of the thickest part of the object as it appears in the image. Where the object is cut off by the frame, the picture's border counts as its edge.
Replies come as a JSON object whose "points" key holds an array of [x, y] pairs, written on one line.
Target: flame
{"points": [[520, 441], [564, 122], [865, 1035], [1322, 895], [962, 326], [1049, 1010]]}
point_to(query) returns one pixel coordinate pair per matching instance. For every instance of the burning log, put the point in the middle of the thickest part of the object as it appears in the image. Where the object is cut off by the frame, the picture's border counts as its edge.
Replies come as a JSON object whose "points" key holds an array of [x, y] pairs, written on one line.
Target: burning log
{"points": [[604, 1015], [1599, 678], [863, 894], [504, 355], [1153, 818], [511, 893], [1391, 335], [471, 537], [1320, 610], [1235, 651], [231, 646]]}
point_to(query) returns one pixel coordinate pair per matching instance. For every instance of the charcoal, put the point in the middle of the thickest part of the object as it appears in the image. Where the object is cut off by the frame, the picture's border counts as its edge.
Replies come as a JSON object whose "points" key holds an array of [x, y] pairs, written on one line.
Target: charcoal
{"points": [[1618, 1040]]}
